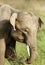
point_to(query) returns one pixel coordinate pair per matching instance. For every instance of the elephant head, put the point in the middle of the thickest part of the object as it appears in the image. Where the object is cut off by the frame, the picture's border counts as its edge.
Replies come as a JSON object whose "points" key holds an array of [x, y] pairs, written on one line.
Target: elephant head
{"points": [[26, 25]]}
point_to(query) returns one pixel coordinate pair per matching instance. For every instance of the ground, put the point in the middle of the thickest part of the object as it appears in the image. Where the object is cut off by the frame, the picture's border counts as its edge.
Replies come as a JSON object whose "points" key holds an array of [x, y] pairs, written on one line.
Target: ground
{"points": [[38, 7]]}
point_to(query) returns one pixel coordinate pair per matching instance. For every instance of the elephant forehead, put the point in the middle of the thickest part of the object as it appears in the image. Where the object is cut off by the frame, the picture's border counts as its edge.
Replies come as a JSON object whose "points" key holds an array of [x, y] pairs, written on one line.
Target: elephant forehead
{"points": [[23, 16], [27, 18], [27, 21]]}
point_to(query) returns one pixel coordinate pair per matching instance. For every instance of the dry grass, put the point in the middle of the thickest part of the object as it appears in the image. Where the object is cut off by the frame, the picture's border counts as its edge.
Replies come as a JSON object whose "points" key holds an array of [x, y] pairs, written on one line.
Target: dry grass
{"points": [[26, 4]]}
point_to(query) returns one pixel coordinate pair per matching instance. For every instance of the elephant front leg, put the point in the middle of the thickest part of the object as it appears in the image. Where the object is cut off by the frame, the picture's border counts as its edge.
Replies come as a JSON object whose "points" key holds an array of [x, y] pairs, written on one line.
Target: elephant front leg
{"points": [[2, 51], [11, 49], [32, 47]]}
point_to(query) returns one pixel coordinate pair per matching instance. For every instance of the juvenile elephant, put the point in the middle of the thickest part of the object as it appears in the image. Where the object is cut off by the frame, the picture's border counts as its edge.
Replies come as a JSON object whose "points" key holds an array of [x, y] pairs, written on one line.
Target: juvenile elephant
{"points": [[17, 26], [27, 24]]}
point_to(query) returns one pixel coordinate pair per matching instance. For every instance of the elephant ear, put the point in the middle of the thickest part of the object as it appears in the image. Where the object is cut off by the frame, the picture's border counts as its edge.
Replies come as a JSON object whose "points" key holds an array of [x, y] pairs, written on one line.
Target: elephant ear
{"points": [[13, 19], [40, 22]]}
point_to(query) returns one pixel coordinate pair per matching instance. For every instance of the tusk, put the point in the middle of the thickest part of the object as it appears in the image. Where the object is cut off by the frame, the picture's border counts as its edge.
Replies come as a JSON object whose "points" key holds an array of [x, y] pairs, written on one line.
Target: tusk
{"points": [[28, 50]]}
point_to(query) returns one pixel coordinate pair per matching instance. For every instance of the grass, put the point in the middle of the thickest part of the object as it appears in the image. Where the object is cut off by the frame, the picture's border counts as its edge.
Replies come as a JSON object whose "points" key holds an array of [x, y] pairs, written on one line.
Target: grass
{"points": [[21, 48]]}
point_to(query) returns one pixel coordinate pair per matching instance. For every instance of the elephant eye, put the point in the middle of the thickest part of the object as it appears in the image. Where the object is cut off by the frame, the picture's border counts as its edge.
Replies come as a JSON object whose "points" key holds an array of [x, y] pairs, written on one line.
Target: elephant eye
{"points": [[16, 19], [26, 30]]}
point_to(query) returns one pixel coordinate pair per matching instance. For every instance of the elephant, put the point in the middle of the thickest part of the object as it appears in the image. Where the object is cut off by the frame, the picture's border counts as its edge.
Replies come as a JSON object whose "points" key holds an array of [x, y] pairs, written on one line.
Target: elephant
{"points": [[27, 25], [19, 26]]}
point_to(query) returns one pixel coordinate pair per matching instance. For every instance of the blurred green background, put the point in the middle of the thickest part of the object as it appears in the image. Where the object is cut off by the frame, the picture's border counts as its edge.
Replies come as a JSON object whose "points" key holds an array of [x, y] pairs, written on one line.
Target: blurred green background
{"points": [[37, 7]]}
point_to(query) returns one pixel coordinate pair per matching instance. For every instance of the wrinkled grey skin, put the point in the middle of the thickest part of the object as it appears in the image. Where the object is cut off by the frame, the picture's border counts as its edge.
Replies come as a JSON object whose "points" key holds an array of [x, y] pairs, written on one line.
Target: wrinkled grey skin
{"points": [[26, 26]]}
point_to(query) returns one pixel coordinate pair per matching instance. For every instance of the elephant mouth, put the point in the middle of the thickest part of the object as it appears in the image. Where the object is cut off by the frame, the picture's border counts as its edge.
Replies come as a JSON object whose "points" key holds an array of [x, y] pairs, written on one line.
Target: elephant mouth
{"points": [[17, 36], [20, 40]]}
